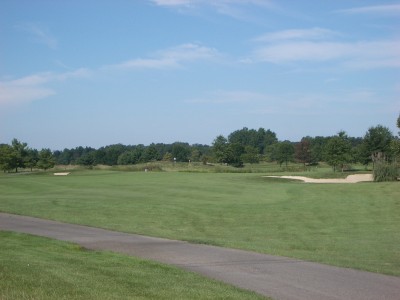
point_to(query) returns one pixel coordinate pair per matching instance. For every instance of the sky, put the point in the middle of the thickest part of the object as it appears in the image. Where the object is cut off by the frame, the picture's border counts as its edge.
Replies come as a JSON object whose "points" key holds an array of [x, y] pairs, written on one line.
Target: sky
{"points": [[96, 72]]}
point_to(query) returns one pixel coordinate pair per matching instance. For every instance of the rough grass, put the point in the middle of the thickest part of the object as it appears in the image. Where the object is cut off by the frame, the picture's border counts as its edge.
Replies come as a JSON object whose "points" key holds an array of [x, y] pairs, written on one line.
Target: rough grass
{"points": [[322, 170], [40, 268], [385, 171], [350, 225]]}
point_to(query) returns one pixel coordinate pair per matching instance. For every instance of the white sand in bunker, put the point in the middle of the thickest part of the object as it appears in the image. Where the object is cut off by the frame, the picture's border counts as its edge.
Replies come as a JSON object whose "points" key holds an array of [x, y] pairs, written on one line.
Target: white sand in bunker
{"points": [[61, 174], [349, 179]]}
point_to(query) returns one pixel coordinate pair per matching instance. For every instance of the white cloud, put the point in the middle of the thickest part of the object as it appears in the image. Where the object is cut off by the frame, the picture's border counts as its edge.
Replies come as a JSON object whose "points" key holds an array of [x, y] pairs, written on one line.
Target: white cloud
{"points": [[256, 104], [387, 10], [331, 80], [320, 104], [233, 8], [78, 73], [24, 90], [172, 2], [189, 52], [229, 97], [39, 35], [303, 51], [11, 94], [315, 33], [170, 58], [145, 64], [38, 86], [218, 3], [238, 8], [33, 87], [317, 45]]}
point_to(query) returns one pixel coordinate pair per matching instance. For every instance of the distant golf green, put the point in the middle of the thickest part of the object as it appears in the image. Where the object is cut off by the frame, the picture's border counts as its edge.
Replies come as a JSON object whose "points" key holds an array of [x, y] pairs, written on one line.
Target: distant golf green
{"points": [[349, 225], [39, 268]]}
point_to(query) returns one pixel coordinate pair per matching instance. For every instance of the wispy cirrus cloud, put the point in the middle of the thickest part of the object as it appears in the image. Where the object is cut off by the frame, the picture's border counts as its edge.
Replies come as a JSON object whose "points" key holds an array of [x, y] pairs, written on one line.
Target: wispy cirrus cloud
{"points": [[319, 104], [238, 9], [233, 8], [39, 34], [34, 87], [315, 33], [310, 104], [211, 3], [321, 45], [12, 94], [324, 51], [377, 10], [39, 86], [173, 2], [230, 97], [170, 58]]}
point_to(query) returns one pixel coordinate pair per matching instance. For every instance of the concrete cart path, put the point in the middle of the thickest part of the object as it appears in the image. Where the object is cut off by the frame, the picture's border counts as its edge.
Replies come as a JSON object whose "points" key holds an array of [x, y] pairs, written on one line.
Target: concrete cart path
{"points": [[273, 276]]}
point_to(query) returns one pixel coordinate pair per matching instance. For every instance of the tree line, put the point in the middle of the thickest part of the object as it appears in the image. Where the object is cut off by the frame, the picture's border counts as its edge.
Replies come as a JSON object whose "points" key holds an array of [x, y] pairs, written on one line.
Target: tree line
{"points": [[19, 155], [251, 146], [238, 148], [120, 154]]}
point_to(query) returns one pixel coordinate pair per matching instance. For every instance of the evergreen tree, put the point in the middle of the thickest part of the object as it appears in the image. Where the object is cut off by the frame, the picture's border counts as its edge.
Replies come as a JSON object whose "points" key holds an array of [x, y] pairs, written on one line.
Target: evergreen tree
{"points": [[45, 159]]}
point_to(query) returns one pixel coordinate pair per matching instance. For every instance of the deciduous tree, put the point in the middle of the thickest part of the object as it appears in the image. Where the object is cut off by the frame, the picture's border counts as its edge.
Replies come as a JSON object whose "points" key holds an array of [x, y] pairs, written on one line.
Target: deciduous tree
{"points": [[395, 144], [251, 155], [151, 154], [233, 155], [32, 158], [284, 152], [181, 151], [6, 153], [219, 148], [88, 159], [303, 151], [338, 151], [377, 142], [398, 123], [259, 139], [19, 155], [168, 157]]}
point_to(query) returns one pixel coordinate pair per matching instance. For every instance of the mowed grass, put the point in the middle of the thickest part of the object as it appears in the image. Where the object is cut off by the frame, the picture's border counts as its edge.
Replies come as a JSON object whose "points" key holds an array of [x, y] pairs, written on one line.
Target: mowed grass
{"points": [[39, 268], [349, 225]]}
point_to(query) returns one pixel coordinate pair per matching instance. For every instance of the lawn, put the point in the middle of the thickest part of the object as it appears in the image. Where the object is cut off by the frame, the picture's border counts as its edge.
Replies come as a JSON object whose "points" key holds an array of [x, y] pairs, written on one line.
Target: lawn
{"points": [[40, 268], [349, 225]]}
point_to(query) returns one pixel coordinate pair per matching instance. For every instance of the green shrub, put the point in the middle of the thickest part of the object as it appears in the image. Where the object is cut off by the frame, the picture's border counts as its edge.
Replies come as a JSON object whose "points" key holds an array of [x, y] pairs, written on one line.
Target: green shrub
{"points": [[384, 171]]}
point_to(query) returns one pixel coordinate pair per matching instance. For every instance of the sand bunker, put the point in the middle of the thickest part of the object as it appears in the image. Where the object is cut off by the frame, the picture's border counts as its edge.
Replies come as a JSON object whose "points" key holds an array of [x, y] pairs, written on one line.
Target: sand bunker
{"points": [[349, 179], [61, 174]]}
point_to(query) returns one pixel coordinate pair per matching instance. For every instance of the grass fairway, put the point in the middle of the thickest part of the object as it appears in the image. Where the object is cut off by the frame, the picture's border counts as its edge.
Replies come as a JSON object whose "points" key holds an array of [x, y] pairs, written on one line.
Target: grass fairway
{"points": [[39, 268], [350, 225]]}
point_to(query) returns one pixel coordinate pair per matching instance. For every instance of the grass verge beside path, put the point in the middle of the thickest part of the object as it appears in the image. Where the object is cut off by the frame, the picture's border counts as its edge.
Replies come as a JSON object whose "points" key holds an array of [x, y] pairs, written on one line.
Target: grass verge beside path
{"points": [[40, 268], [348, 225]]}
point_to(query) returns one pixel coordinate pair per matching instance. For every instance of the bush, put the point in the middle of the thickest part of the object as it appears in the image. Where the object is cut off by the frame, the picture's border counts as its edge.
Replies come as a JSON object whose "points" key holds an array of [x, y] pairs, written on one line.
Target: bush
{"points": [[384, 171]]}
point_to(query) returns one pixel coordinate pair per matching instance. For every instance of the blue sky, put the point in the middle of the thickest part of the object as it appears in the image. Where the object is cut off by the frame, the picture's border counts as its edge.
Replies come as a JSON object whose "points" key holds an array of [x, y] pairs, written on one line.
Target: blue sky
{"points": [[95, 73]]}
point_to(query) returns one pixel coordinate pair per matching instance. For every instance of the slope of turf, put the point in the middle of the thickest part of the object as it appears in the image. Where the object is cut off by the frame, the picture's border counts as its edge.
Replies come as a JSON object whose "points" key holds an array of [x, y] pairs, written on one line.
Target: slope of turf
{"points": [[350, 225], [39, 268]]}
